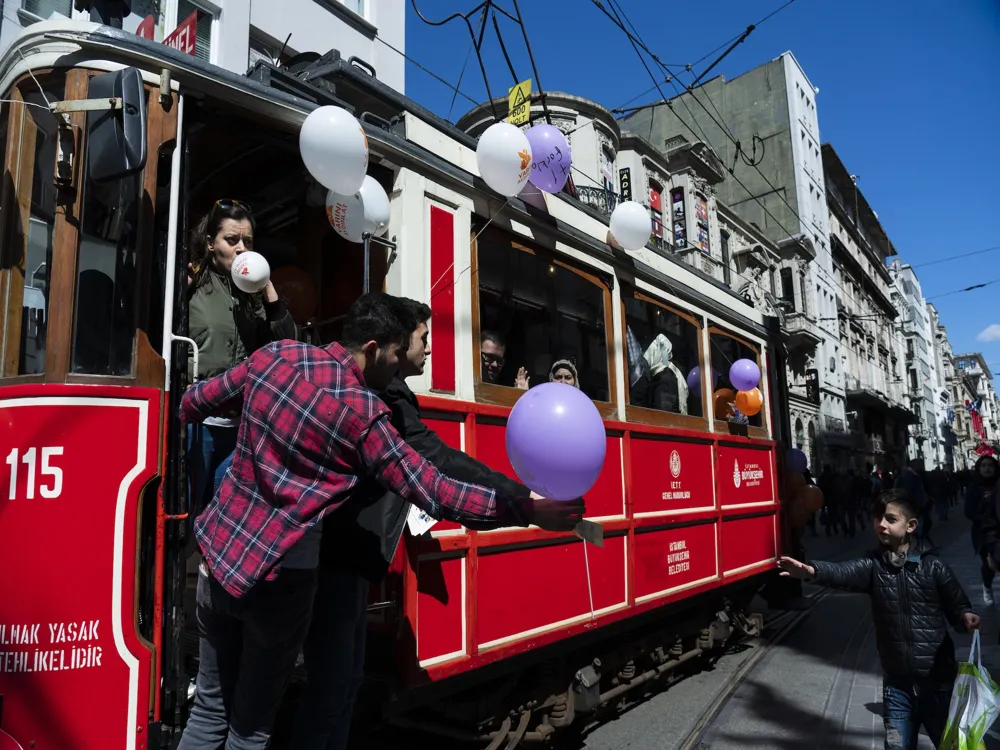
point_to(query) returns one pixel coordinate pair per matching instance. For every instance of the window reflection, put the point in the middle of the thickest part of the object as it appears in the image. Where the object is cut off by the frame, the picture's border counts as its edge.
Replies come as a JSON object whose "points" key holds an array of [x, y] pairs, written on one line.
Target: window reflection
{"points": [[662, 349], [534, 312], [726, 349], [39, 127]]}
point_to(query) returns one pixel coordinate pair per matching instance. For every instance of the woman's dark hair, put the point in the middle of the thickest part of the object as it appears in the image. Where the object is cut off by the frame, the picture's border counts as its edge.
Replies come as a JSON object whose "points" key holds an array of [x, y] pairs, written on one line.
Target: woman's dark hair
{"points": [[896, 497], [207, 229], [378, 317]]}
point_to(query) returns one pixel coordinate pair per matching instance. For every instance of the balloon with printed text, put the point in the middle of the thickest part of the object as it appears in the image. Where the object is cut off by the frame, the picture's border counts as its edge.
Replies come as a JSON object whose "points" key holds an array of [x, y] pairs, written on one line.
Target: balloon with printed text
{"points": [[365, 211], [631, 225], [504, 157], [550, 157], [556, 441], [250, 272], [334, 148], [744, 375]]}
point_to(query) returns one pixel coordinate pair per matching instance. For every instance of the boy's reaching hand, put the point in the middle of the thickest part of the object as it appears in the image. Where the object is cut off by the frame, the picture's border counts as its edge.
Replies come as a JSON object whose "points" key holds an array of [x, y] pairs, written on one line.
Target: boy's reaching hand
{"points": [[971, 621], [792, 567]]}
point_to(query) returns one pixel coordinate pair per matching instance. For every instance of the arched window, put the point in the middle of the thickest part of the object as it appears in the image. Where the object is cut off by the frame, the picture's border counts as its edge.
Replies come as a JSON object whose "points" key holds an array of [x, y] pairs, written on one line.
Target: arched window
{"points": [[800, 435]]}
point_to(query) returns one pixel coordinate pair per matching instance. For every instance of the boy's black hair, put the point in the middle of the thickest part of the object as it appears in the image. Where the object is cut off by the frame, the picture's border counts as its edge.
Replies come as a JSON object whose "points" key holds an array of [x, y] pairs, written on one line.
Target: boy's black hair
{"points": [[419, 310], [900, 498], [378, 317]]}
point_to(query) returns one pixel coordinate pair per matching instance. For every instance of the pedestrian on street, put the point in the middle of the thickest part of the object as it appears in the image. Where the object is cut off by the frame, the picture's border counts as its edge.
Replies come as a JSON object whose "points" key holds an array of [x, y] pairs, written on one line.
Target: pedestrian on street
{"points": [[914, 596], [359, 544], [312, 435], [828, 483], [911, 480], [981, 509]]}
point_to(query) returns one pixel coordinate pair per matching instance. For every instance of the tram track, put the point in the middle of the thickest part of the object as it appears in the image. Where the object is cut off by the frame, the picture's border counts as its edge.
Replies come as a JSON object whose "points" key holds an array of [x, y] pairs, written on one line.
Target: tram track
{"points": [[782, 626]]}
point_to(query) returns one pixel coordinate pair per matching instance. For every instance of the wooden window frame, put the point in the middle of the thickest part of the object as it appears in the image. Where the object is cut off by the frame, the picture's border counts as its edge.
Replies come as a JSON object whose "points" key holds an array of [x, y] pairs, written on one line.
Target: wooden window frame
{"points": [[645, 414], [501, 395], [721, 425], [148, 367]]}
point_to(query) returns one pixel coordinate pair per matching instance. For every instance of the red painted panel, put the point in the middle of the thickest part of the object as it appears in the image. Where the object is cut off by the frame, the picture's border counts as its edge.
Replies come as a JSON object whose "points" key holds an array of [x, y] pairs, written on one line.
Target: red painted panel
{"points": [[450, 432], [605, 499], [439, 607], [68, 622], [442, 300], [670, 475], [669, 558], [745, 475], [746, 541], [549, 585]]}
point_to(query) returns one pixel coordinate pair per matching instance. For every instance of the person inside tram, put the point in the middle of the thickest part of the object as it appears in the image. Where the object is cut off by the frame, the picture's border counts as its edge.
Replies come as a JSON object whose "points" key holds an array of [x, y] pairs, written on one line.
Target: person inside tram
{"points": [[358, 546], [228, 325], [492, 348], [564, 371], [668, 388]]}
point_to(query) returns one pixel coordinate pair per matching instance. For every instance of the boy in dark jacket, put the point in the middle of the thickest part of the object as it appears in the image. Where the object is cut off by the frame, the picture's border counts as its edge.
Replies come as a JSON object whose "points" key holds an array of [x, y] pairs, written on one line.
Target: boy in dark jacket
{"points": [[914, 596]]}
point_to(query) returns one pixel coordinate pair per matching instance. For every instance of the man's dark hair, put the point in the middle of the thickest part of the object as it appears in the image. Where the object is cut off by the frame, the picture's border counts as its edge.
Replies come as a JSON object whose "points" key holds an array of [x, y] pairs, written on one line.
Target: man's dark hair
{"points": [[420, 311], [900, 498], [378, 317], [493, 336]]}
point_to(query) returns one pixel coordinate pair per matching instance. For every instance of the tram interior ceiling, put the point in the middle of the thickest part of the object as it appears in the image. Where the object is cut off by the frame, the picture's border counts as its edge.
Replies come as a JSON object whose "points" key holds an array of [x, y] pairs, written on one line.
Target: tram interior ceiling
{"points": [[315, 271]]}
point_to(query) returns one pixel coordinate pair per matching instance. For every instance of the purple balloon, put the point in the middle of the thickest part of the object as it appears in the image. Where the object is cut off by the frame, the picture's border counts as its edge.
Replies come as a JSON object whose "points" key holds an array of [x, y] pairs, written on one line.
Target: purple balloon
{"points": [[550, 157], [694, 378], [797, 461], [744, 375], [556, 441]]}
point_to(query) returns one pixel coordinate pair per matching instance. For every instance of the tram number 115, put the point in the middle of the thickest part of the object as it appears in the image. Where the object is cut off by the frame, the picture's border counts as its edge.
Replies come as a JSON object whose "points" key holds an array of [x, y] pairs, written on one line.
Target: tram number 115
{"points": [[51, 483]]}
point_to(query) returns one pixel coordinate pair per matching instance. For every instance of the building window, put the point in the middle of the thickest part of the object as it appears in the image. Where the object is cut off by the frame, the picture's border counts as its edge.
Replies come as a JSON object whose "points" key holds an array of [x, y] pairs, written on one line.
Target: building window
{"points": [[535, 310], [656, 209], [680, 217], [724, 246], [788, 288], [203, 28], [663, 347], [46, 8], [355, 6], [701, 216]]}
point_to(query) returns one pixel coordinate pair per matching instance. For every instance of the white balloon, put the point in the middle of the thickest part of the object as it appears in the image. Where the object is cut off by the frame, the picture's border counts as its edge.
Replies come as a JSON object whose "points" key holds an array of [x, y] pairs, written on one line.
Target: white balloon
{"points": [[334, 148], [250, 272], [631, 225], [504, 158], [365, 211]]}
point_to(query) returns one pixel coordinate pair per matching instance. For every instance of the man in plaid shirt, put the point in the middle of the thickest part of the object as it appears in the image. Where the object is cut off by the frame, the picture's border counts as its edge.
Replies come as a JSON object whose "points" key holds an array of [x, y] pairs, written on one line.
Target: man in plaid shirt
{"points": [[311, 433]]}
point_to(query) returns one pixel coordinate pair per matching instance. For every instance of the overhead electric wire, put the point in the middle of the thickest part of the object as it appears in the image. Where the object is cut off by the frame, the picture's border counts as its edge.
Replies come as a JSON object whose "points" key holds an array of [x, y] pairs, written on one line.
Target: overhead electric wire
{"points": [[955, 257], [431, 73]]}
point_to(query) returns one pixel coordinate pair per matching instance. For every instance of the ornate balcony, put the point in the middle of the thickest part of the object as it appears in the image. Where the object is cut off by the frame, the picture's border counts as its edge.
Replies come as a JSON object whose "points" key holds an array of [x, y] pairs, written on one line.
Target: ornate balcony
{"points": [[599, 198]]}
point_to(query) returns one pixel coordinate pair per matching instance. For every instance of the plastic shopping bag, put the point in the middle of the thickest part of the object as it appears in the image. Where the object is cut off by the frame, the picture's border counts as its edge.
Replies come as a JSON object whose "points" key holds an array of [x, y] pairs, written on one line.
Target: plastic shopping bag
{"points": [[975, 703]]}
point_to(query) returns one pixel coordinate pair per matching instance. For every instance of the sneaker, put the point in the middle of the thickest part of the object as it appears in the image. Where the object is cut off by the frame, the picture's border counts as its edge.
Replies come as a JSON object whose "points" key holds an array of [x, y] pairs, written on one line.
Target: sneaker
{"points": [[988, 595]]}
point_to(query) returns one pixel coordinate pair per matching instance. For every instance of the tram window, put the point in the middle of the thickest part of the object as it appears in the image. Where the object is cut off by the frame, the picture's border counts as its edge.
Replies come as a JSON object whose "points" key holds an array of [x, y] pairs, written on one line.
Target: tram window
{"points": [[662, 347], [726, 349], [37, 259], [535, 311]]}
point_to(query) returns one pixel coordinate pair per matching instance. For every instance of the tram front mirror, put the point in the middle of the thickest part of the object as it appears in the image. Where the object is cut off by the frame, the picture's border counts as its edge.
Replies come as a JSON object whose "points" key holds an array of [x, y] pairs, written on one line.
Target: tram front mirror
{"points": [[117, 137]]}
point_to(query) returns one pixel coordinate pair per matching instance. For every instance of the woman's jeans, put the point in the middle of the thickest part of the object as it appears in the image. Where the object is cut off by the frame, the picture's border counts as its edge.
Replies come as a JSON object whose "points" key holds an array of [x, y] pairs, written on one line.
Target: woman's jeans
{"points": [[209, 465]]}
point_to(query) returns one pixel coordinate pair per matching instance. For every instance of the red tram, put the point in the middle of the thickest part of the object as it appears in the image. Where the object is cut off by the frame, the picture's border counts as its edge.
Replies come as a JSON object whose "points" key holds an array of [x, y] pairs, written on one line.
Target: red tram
{"points": [[111, 146]]}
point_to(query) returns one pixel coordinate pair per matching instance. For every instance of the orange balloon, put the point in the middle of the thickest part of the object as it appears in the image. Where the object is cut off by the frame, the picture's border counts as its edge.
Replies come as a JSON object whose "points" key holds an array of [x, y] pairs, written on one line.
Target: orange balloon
{"points": [[297, 291], [796, 480], [723, 398], [811, 498], [750, 402]]}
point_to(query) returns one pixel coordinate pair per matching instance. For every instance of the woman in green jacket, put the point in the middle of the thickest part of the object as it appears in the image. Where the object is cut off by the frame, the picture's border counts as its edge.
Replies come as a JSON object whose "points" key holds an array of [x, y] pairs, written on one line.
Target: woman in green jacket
{"points": [[227, 324]]}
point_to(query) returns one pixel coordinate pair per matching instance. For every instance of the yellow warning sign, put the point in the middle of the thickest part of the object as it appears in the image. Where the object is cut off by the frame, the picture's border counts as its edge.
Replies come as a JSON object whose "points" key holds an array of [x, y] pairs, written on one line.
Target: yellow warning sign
{"points": [[519, 103]]}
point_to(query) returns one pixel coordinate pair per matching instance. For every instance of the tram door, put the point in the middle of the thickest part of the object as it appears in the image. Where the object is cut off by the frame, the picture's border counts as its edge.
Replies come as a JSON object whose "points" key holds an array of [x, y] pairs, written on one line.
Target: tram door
{"points": [[82, 278]]}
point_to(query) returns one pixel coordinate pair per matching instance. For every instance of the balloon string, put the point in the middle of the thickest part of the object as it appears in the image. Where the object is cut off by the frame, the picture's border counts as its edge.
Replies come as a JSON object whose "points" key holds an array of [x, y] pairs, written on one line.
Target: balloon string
{"points": [[590, 590], [452, 266]]}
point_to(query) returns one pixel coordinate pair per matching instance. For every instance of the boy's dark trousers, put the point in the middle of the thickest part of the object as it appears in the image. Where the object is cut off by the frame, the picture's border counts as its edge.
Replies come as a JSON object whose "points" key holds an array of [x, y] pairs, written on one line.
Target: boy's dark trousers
{"points": [[908, 703]]}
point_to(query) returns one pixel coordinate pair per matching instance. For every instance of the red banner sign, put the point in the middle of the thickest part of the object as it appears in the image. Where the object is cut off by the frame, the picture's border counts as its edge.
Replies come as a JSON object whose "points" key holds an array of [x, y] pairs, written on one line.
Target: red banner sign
{"points": [[671, 559], [145, 29], [183, 37], [69, 529], [744, 475]]}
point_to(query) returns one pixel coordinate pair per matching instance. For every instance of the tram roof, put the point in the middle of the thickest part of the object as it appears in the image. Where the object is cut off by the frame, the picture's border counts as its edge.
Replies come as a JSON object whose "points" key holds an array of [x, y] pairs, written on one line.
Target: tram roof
{"points": [[417, 145]]}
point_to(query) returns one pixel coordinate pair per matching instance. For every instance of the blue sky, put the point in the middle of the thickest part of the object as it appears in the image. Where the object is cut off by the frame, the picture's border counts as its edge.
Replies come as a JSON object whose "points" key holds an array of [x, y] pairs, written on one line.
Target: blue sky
{"points": [[909, 97]]}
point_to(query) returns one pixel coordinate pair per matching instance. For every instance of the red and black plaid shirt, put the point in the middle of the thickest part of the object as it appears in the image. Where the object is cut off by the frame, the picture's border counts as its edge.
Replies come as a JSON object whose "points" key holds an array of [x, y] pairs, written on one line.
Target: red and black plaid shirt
{"points": [[310, 434]]}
